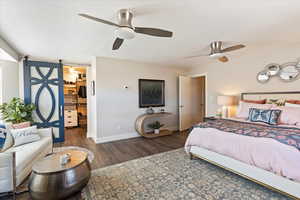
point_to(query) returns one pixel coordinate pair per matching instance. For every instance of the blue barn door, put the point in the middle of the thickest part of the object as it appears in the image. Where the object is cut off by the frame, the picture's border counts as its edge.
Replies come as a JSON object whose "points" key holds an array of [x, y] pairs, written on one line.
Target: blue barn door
{"points": [[43, 86]]}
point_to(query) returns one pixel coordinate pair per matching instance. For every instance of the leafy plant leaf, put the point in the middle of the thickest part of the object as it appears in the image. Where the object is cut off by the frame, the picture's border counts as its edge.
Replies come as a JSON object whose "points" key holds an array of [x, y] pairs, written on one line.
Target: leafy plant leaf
{"points": [[16, 111]]}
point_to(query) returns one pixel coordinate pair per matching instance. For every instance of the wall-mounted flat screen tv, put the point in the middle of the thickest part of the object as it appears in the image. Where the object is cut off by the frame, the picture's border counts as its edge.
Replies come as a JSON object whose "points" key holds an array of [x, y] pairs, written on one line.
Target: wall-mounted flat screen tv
{"points": [[151, 93]]}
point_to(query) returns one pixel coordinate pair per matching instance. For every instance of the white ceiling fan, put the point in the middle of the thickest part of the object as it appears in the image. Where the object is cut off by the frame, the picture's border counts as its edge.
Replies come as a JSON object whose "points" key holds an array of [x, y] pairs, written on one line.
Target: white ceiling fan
{"points": [[125, 30], [217, 51]]}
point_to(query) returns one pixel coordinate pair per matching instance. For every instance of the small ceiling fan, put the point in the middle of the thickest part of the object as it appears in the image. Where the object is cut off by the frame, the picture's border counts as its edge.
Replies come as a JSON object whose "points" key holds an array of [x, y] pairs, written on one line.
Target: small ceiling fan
{"points": [[217, 51], [125, 30]]}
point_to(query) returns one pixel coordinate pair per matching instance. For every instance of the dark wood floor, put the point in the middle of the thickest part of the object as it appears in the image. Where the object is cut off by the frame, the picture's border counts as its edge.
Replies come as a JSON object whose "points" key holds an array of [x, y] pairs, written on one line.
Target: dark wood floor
{"points": [[120, 151], [123, 150]]}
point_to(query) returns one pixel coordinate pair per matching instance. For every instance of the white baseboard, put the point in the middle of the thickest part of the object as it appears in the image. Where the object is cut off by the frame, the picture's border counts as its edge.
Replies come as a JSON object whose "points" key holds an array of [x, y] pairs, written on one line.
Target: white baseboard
{"points": [[116, 137]]}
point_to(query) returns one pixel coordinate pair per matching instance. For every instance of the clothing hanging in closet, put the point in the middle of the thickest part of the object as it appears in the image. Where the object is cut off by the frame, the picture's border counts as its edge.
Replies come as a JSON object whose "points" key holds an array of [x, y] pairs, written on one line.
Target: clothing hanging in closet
{"points": [[82, 92]]}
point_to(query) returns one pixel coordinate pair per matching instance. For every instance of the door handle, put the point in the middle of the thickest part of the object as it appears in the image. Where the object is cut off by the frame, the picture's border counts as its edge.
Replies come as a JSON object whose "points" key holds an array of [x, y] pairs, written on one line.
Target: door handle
{"points": [[61, 110], [181, 106]]}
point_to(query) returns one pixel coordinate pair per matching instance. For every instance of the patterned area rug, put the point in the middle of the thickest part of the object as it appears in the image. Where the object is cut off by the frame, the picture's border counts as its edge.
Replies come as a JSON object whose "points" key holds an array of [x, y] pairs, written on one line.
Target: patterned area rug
{"points": [[171, 175], [90, 154]]}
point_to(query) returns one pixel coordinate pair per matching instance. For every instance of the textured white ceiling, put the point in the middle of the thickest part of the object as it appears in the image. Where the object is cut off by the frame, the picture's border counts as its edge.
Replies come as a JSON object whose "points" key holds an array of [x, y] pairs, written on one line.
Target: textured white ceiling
{"points": [[53, 30]]}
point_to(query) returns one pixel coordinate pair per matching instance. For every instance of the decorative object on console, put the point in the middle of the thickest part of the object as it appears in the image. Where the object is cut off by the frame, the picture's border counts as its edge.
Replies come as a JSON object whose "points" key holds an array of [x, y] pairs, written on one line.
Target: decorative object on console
{"points": [[149, 111], [287, 72], [205, 119], [225, 101], [155, 126]]}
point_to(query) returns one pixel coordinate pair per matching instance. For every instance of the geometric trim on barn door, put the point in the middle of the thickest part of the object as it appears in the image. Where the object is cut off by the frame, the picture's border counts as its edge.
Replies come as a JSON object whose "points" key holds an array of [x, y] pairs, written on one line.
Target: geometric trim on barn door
{"points": [[44, 82]]}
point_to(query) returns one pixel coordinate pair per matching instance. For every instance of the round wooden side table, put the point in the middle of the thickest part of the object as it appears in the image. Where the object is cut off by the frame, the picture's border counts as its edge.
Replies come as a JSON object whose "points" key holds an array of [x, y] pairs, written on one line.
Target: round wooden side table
{"points": [[51, 180]]}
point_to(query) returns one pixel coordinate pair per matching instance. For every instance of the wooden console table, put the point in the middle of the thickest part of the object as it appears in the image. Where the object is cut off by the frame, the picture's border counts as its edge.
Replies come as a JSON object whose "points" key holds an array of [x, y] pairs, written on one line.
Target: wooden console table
{"points": [[140, 122]]}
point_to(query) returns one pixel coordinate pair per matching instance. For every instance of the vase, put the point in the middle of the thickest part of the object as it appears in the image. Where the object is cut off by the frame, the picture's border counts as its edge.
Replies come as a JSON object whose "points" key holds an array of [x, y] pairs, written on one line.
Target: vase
{"points": [[156, 131], [21, 125], [149, 111]]}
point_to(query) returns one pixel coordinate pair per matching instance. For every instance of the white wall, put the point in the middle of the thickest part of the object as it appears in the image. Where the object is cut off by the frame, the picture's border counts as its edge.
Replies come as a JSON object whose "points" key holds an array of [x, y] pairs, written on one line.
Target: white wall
{"points": [[9, 81], [117, 108], [239, 74], [91, 101], [8, 52]]}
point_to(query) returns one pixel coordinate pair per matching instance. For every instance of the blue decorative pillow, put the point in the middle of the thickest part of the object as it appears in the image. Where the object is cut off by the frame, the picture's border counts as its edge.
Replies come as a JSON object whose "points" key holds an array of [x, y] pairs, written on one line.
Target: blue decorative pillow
{"points": [[270, 117], [2, 135]]}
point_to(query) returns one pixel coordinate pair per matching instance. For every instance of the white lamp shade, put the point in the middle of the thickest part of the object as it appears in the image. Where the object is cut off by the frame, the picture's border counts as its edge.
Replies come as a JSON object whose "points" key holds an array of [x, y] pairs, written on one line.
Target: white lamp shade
{"points": [[225, 100]]}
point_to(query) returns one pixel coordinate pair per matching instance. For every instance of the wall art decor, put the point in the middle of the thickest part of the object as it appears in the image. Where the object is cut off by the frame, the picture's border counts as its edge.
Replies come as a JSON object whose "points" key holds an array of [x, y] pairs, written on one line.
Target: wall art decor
{"points": [[286, 72]]}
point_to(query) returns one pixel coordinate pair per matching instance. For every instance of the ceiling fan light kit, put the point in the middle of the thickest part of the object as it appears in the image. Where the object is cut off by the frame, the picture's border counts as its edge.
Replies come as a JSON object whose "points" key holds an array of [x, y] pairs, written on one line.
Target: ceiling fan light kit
{"points": [[124, 33], [216, 55], [217, 51], [125, 30]]}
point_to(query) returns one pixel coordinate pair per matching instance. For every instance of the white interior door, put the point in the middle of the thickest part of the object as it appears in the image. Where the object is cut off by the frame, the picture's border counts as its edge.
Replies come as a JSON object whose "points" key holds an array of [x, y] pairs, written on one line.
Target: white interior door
{"points": [[185, 107]]}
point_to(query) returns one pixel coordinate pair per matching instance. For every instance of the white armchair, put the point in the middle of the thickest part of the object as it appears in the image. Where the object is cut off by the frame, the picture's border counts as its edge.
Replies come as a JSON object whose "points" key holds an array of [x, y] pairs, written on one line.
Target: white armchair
{"points": [[16, 163]]}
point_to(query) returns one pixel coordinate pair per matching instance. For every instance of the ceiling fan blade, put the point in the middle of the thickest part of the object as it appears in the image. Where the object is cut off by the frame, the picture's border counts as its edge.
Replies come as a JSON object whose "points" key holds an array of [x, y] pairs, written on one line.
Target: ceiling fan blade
{"points": [[118, 42], [223, 59], [195, 56], [99, 20], [153, 31], [233, 48]]}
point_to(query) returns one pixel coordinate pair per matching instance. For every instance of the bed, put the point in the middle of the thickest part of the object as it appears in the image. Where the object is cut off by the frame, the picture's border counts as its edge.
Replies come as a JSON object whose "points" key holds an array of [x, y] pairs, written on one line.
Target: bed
{"points": [[266, 154]]}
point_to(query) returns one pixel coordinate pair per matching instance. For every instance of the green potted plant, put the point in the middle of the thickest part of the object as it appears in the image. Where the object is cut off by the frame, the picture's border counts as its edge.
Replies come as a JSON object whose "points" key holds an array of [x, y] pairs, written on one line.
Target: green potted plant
{"points": [[16, 111], [155, 126]]}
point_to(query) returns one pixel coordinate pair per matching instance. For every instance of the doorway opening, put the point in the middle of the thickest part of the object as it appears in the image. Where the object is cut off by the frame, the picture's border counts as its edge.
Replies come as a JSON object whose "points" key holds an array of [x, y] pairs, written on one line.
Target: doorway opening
{"points": [[192, 100], [75, 101]]}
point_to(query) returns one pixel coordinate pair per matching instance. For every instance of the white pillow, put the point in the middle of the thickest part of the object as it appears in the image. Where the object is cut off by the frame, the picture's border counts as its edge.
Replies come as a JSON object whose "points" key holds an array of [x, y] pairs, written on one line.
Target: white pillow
{"points": [[292, 105], [25, 135], [243, 109]]}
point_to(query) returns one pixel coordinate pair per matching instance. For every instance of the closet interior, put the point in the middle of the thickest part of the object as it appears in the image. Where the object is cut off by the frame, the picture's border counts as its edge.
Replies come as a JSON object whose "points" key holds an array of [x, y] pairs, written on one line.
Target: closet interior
{"points": [[75, 97]]}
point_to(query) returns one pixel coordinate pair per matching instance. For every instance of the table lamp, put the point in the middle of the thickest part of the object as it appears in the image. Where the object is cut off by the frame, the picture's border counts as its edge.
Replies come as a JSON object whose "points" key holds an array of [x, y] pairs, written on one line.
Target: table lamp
{"points": [[225, 101]]}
